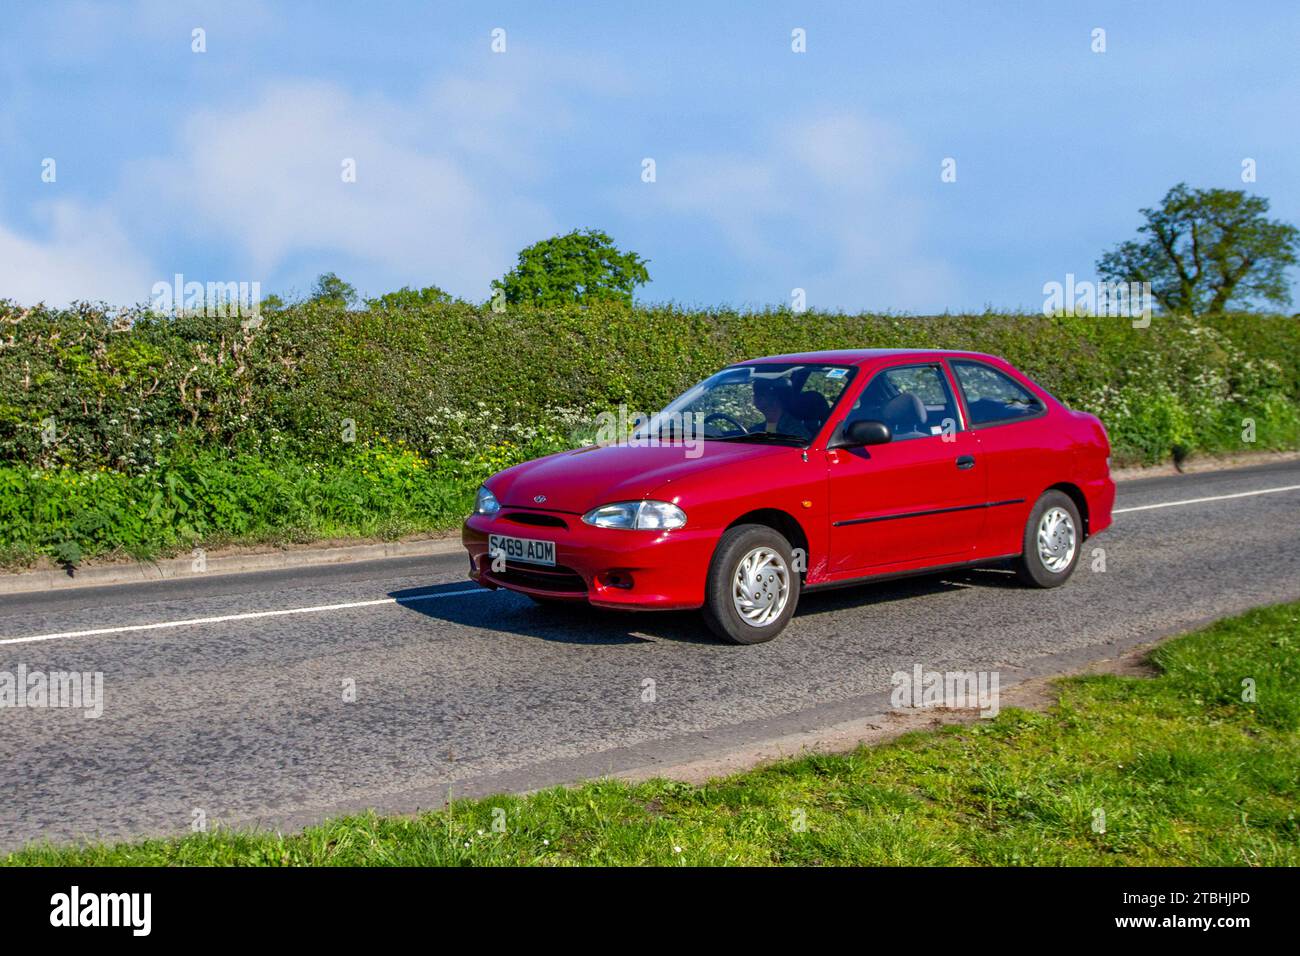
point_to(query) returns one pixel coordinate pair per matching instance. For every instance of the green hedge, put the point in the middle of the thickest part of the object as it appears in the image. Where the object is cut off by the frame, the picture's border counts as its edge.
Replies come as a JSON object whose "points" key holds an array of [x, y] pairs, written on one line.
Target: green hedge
{"points": [[125, 431], [67, 514], [126, 390]]}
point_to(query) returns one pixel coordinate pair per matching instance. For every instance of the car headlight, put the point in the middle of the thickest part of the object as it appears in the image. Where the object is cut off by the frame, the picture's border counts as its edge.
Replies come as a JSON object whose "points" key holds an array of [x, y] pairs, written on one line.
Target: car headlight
{"points": [[637, 516], [485, 503]]}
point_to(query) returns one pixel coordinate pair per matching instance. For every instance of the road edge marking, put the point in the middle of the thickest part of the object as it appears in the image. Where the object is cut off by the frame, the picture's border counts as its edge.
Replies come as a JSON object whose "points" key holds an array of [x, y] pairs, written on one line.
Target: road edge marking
{"points": [[244, 616], [1197, 501], [283, 612]]}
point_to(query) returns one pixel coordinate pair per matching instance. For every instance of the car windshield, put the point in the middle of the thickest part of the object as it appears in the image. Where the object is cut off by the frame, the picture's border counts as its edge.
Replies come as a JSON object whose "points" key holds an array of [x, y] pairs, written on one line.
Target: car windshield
{"points": [[777, 402]]}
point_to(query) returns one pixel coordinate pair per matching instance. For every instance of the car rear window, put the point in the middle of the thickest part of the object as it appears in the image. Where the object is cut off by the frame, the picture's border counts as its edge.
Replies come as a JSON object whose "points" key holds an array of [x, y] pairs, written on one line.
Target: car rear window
{"points": [[992, 396]]}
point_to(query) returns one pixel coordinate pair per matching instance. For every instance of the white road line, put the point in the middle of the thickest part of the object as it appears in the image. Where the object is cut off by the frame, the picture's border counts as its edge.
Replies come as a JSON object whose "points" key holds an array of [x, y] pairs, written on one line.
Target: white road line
{"points": [[252, 615], [1197, 501], [248, 616]]}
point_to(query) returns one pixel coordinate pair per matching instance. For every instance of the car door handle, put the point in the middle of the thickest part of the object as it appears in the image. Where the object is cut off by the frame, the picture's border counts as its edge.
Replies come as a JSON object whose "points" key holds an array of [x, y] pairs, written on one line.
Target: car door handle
{"points": [[966, 461]]}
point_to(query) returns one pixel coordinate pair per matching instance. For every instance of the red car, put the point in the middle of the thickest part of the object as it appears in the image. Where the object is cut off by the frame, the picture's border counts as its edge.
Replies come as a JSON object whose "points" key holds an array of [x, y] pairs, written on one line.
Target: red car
{"points": [[800, 472]]}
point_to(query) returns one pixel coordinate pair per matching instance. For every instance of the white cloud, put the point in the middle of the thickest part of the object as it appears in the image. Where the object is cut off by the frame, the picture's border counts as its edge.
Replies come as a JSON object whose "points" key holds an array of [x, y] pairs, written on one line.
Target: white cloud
{"points": [[824, 205], [82, 32], [428, 206], [445, 183], [850, 154], [83, 253], [269, 180]]}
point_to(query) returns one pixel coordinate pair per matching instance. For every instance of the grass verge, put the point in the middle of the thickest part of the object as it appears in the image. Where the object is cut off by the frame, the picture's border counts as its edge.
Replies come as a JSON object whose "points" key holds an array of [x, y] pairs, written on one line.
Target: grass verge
{"points": [[70, 515], [1197, 766]]}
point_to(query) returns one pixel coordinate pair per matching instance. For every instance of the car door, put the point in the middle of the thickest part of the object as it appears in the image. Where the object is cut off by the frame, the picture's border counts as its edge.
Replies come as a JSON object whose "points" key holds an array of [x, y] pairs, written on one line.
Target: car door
{"points": [[1018, 447], [917, 499]]}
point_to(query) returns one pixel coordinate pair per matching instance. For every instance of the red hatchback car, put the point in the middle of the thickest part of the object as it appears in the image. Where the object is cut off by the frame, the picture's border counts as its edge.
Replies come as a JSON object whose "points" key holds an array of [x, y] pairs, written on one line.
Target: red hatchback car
{"points": [[800, 472]]}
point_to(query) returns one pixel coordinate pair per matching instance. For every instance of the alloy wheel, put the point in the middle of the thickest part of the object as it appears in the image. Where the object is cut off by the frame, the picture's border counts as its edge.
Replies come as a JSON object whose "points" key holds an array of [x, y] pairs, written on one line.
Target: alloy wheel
{"points": [[1056, 540], [760, 588]]}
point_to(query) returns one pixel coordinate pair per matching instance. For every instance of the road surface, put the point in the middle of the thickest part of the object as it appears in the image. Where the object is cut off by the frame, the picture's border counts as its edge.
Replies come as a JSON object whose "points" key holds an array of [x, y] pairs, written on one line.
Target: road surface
{"points": [[242, 718]]}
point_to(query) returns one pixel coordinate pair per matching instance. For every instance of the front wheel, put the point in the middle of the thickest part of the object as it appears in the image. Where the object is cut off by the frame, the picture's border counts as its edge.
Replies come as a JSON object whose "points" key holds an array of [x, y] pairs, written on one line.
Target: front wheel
{"points": [[752, 588], [1053, 536]]}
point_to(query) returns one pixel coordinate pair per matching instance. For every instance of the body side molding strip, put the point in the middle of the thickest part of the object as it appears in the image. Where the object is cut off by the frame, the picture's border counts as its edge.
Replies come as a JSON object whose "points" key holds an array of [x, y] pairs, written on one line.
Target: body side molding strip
{"points": [[932, 511]]}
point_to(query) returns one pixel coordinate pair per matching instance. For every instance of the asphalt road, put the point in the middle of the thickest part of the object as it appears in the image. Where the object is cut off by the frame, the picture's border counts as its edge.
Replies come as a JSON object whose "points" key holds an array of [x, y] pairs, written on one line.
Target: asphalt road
{"points": [[475, 692]]}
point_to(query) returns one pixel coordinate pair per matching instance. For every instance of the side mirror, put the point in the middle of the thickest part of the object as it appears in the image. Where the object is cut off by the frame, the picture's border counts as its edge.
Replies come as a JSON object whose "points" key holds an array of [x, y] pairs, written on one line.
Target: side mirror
{"points": [[859, 433]]}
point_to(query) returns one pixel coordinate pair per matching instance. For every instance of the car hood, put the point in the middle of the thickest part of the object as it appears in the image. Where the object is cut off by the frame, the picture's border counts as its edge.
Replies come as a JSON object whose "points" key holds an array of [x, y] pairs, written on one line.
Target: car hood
{"points": [[577, 481]]}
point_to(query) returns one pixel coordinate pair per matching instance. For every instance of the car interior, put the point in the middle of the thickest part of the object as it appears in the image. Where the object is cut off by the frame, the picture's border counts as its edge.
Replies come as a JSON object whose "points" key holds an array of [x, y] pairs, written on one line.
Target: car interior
{"points": [[811, 408], [913, 401]]}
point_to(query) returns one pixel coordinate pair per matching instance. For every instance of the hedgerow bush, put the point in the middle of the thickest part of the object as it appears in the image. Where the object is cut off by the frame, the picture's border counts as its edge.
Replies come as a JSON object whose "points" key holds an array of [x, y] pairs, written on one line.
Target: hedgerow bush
{"points": [[67, 513], [244, 430]]}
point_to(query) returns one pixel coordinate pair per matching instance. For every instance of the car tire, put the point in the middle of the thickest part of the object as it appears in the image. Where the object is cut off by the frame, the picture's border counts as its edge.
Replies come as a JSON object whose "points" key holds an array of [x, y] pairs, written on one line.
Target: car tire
{"points": [[1052, 543], [770, 572]]}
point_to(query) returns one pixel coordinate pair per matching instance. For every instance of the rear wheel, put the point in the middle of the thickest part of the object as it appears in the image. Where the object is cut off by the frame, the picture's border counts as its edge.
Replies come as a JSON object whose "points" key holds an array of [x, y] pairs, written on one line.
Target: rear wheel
{"points": [[752, 588], [1053, 540]]}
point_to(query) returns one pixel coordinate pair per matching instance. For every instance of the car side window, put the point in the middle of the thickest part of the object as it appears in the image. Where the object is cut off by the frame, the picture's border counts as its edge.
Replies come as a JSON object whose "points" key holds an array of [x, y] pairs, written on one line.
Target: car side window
{"points": [[992, 396], [913, 400]]}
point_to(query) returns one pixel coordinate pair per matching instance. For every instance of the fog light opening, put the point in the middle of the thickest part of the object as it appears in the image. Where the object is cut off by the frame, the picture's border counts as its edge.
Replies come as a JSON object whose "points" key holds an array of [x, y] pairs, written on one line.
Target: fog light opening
{"points": [[618, 579]]}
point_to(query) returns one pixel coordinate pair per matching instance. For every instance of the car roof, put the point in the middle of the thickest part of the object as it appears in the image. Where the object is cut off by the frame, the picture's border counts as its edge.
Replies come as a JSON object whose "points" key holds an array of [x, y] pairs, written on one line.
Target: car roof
{"points": [[863, 356]]}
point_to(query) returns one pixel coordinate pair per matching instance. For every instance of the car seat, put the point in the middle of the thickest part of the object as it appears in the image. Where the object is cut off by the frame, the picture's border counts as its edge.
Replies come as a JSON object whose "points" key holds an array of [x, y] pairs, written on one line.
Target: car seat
{"points": [[905, 415], [812, 409]]}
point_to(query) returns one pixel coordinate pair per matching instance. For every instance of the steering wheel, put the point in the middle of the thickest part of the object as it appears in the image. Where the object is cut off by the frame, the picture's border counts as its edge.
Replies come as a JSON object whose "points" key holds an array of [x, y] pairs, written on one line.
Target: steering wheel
{"points": [[726, 418]]}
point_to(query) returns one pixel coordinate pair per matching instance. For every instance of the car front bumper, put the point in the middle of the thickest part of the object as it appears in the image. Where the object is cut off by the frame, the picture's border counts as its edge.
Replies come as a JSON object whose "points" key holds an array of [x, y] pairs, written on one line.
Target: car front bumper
{"points": [[606, 567]]}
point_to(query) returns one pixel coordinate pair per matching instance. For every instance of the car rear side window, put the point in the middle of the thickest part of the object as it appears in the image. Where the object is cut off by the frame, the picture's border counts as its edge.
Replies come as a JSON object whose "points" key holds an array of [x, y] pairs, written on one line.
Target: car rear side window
{"points": [[913, 400], [992, 396]]}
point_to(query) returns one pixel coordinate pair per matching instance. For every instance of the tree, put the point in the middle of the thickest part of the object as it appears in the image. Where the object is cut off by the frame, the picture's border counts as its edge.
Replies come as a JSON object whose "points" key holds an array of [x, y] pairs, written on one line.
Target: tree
{"points": [[406, 297], [1205, 248], [332, 290], [580, 267]]}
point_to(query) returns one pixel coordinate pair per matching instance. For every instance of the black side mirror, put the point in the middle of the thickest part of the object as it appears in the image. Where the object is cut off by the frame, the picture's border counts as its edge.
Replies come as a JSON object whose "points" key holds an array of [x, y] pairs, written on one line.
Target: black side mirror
{"points": [[860, 433]]}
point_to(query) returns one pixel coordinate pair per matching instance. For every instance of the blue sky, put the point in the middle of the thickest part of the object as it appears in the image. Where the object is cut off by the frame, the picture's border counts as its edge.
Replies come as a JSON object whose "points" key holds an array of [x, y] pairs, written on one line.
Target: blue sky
{"points": [[775, 170]]}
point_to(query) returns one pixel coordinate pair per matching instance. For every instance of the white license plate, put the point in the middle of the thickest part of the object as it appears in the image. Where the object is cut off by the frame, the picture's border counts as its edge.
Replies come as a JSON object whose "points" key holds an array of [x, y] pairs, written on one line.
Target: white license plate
{"points": [[528, 550]]}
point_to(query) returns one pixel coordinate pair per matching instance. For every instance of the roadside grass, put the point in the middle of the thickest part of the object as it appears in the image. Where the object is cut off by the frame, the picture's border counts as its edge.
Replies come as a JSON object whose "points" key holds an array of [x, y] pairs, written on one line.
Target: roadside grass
{"points": [[1172, 770], [68, 515]]}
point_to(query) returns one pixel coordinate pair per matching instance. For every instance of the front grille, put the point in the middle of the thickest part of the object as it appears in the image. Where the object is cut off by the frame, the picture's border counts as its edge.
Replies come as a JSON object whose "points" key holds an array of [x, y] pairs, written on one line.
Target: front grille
{"points": [[559, 580], [538, 520]]}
